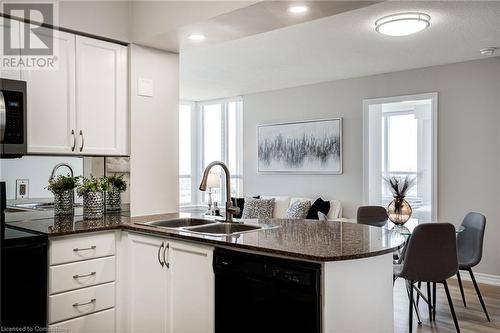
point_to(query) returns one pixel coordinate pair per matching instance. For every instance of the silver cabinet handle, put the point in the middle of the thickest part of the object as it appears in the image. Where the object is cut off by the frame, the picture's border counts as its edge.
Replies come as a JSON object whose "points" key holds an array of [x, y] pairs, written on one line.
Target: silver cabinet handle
{"points": [[83, 141], [89, 302], [158, 255], [74, 140], [3, 117], [93, 247], [167, 248], [77, 276]]}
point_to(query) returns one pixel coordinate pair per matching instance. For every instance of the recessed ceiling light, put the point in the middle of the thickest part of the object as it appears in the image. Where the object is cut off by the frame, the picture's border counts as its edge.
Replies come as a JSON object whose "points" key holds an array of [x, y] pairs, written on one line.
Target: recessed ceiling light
{"points": [[402, 24], [488, 51], [197, 37], [298, 9]]}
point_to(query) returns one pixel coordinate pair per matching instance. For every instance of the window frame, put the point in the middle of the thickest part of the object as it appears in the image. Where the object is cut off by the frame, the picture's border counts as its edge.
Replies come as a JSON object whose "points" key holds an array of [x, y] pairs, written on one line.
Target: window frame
{"points": [[197, 146], [194, 134], [366, 144]]}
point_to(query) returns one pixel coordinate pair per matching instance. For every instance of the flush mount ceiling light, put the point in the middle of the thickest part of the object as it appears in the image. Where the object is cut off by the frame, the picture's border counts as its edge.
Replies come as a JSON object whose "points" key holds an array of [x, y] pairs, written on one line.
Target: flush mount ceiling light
{"points": [[298, 9], [488, 51], [402, 24], [197, 37]]}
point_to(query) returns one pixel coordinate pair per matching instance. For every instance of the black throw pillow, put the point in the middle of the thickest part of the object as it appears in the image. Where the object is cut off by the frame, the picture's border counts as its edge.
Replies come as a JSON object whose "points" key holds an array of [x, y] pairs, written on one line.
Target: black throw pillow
{"points": [[240, 203], [319, 205]]}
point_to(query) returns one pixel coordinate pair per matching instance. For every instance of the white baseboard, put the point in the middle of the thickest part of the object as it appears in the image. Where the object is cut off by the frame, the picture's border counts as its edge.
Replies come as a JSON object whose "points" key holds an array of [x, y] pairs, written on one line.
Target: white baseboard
{"points": [[490, 279]]}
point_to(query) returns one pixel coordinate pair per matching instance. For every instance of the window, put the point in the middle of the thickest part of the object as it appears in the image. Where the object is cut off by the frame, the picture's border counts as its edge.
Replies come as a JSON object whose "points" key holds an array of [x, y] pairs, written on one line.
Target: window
{"points": [[214, 134], [400, 140], [185, 161]]}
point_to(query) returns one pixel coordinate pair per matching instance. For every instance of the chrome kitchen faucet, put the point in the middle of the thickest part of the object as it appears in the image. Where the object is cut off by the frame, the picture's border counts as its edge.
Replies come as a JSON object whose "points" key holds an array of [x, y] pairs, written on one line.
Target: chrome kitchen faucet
{"points": [[230, 209]]}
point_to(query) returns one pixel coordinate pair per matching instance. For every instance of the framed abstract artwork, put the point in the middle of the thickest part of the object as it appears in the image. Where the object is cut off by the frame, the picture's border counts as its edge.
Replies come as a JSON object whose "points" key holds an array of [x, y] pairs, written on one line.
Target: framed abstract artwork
{"points": [[306, 147]]}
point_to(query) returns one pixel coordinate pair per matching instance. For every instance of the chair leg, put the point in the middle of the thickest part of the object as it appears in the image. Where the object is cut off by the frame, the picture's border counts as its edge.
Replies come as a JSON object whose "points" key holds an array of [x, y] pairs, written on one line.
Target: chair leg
{"points": [[417, 311], [434, 298], [461, 288], [410, 314], [479, 294], [450, 303], [429, 296], [419, 285]]}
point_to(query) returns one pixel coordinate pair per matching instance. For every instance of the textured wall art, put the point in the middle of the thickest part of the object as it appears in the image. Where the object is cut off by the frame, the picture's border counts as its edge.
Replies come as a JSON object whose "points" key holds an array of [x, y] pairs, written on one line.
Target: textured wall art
{"points": [[313, 146]]}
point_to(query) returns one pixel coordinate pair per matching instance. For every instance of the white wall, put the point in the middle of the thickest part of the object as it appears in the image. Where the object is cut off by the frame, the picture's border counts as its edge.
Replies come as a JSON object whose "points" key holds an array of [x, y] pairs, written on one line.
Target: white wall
{"points": [[468, 139], [37, 170], [154, 182]]}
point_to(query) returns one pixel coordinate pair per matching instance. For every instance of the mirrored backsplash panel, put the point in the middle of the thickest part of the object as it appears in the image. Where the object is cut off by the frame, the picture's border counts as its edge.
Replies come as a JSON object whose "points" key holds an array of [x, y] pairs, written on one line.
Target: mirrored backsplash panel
{"points": [[33, 173]]}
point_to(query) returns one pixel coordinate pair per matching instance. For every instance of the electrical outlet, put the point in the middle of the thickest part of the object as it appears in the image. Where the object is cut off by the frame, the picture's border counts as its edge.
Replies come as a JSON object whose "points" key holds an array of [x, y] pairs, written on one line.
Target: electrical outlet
{"points": [[22, 188]]}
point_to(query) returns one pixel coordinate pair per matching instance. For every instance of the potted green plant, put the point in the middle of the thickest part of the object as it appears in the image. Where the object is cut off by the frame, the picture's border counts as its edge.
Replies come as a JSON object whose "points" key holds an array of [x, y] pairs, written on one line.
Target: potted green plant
{"points": [[92, 191], [399, 210], [63, 188], [115, 185]]}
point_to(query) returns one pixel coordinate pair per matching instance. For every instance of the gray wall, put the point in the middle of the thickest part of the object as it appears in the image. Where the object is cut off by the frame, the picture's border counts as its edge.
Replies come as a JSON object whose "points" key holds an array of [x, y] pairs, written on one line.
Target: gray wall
{"points": [[468, 139]]}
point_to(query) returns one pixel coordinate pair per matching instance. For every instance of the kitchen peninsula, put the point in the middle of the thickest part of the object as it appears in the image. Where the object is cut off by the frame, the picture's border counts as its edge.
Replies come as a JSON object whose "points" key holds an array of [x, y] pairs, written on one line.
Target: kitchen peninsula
{"points": [[140, 272]]}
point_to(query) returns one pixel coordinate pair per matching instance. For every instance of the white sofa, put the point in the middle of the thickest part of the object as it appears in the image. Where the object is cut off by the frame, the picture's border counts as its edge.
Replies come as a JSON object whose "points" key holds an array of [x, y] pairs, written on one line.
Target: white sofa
{"points": [[281, 204]]}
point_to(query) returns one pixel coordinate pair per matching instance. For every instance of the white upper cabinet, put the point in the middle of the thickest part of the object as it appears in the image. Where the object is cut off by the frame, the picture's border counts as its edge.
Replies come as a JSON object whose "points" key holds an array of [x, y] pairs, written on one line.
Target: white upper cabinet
{"points": [[101, 104], [51, 101], [10, 27]]}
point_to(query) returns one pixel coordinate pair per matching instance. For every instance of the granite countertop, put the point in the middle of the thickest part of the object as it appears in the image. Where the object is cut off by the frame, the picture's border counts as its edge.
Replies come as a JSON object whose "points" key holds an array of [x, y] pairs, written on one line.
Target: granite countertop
{"points": [[303, 239]]}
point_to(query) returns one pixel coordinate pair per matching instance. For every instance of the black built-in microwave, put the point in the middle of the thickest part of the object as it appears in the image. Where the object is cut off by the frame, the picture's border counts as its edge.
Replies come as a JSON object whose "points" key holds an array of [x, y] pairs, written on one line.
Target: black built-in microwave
{"points": [[13, 118]]}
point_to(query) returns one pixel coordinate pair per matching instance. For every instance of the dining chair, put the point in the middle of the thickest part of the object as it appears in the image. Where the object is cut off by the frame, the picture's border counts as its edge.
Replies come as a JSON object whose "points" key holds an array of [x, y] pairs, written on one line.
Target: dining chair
{"points": [[431, 256], [372, 215], [470, 251]]}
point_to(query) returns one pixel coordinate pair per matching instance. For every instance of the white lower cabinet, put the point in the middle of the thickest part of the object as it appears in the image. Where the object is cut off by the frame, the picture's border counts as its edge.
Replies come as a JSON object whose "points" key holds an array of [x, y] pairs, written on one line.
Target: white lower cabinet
{"points": [[146, 285], [191, 287], [170, 286], [99, 322], [81, 302], [125, 281], [82, 283]]}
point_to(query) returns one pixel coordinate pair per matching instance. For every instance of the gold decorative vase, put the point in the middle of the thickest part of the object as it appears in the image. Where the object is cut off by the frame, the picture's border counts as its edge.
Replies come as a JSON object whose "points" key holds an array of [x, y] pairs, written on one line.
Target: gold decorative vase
{"points": [[399, 211]]}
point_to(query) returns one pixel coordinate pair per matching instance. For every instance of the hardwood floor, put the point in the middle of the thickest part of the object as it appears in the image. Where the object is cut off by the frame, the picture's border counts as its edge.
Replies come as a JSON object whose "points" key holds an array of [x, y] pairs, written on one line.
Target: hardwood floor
{"points": [[471, 319]]}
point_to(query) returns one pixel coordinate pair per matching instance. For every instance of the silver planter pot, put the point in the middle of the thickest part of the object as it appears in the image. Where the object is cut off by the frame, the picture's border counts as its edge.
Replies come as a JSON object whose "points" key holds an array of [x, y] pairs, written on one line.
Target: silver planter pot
{"points": [[93, 205], [113, 201], [64, 203]]}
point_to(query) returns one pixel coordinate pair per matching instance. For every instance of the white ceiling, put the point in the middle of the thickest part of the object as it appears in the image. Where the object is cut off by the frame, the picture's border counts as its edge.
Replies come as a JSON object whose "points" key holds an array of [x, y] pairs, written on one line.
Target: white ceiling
{"points": [[336, 47]]}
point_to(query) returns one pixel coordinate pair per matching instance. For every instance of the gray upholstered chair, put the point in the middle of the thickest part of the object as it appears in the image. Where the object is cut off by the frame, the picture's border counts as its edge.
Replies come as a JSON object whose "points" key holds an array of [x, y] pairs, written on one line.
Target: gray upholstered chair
{"points": [[470, 251], [372, 215], [431, 256]]}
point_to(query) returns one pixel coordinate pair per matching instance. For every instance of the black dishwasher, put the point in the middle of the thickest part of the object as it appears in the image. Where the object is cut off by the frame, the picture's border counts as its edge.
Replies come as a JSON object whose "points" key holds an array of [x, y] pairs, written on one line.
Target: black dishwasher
{"points": [[257, 294]]}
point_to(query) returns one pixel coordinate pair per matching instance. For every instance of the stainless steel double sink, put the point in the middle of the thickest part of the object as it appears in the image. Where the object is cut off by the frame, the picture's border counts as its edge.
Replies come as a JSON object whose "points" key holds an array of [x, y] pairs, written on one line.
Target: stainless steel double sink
{"points": [[208, 227]]}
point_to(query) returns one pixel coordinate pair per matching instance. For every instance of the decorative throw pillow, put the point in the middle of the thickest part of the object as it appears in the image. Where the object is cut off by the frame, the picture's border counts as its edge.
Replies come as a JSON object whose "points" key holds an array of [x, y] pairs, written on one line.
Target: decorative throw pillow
{"points": [[298, 210], [240, 203], [258, 208], [319, 205]]}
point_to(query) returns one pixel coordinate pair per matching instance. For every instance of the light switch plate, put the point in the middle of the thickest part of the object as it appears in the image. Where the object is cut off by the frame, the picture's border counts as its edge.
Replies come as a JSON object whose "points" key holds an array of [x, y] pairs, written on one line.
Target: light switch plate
{"points": [[145, 87], [22, 188]]}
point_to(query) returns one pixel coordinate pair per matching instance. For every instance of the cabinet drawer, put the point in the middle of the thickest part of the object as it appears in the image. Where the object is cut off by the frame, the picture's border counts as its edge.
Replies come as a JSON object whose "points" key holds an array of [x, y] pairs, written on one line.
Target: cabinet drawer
{"points": [[100, 322], [81, 274], [81, 302], [76, 248]]}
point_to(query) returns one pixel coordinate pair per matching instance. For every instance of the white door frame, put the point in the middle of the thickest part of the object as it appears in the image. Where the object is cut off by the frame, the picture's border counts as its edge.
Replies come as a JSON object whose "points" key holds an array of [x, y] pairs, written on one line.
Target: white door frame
{"points": [[434, 114]]}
